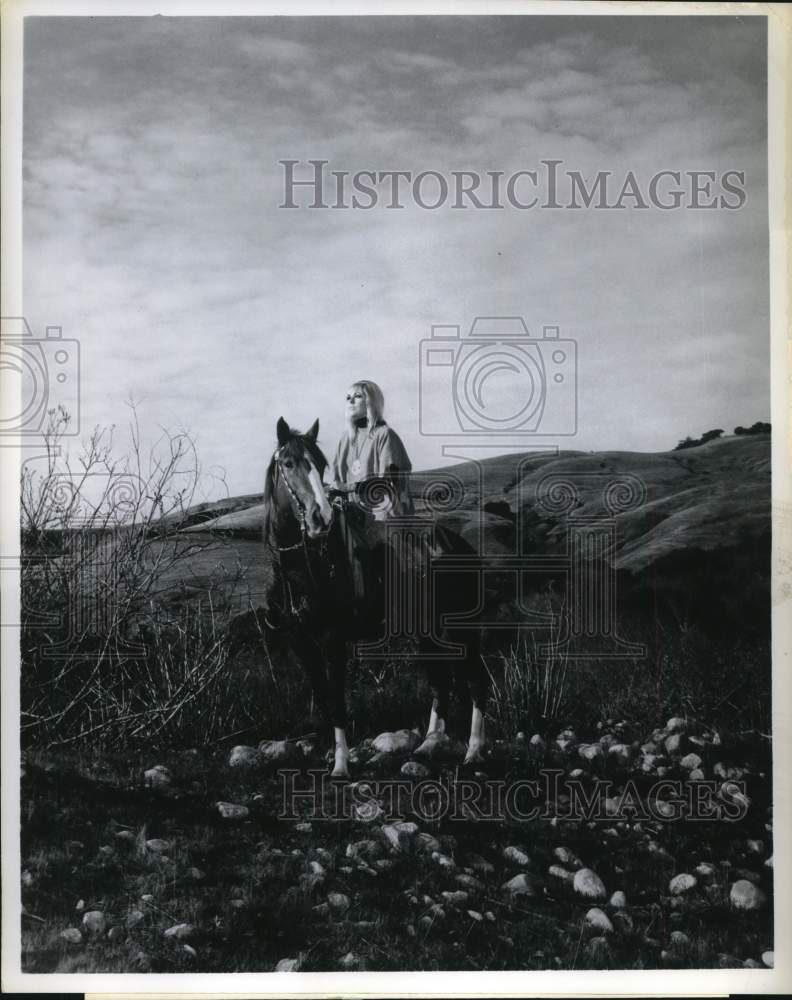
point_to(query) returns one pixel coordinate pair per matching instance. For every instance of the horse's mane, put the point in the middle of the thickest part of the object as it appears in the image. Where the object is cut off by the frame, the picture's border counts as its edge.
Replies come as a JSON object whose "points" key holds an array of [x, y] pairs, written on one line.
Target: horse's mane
{"points": [[294, 448]]}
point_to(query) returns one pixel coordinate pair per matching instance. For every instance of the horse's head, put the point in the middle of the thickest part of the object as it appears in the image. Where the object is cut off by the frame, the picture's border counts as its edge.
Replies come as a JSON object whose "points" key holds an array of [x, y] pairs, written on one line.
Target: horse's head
{"points": [[296, 472]]}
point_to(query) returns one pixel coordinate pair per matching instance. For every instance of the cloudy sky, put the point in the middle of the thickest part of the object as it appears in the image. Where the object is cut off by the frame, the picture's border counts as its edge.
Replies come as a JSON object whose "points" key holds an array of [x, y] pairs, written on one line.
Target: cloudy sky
{"points": [[153, 233]]}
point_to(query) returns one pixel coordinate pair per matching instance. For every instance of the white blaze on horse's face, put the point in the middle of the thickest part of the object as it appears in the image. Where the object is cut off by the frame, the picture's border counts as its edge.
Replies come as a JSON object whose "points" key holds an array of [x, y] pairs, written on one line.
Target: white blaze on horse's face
{"points": [[325, 511], [304, 484]]}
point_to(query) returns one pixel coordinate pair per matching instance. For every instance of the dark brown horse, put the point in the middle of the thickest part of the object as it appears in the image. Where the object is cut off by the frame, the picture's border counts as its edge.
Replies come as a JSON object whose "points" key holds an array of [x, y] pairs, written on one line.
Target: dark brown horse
{"points": [[313, 600]]}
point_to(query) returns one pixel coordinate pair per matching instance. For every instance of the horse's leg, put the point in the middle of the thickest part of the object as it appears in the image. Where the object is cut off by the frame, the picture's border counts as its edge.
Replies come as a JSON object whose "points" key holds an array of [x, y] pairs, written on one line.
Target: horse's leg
{"points": [[313, 660], [336, 657], [440, 684], [475, 675]]}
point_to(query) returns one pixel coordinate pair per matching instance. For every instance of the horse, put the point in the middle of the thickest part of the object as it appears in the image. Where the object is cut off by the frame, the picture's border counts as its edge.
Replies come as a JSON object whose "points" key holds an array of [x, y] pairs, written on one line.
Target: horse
{"points": [[312, 598]]}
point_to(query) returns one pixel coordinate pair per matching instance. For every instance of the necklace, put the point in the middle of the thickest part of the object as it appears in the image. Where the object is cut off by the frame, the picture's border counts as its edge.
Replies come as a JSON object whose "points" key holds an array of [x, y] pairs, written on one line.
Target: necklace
{"points": [[356, 465]]}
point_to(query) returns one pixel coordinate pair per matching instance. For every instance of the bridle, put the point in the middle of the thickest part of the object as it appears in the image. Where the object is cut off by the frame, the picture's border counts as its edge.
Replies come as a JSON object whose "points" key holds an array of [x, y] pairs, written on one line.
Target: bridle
{"points": [[300, 506]]}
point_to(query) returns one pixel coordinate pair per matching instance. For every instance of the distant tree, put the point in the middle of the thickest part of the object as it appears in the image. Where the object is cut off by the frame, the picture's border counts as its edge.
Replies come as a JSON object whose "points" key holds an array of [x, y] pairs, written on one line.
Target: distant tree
{"points": [[689, 442], [758, 428], [711, 435]]}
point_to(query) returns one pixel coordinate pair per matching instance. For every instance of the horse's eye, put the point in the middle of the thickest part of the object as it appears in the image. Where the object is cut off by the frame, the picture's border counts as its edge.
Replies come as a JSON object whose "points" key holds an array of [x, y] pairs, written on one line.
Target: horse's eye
{"points": [[288, 464]]}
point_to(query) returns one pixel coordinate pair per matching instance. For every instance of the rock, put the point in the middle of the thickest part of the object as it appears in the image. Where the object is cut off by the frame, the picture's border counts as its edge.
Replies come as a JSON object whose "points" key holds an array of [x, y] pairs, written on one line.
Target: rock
{"points": [[426, 842], [706, 871], [696, 774], [591, 752], [279, 752], [157, 846], [350, 962], [366, 850], [679, 940], [288, 965], [769, 862], [744, 895], [556, 871], [116, 933], [147, 897], [768, 957], [157, 777], [690, 762], [414, 770], [589, 885], [339, 902], [479, 864], [317, 868], [754, 846], [179, 932], [244, 757], [728, 772], [125, 835], [618, 900], [520, 885], [456, 897], [443, 860], [597, 920], [676, 725], [620, 754], [71, 935], [94, 922], [680, 884], [470, 882], [567, 857], [304, 828], [478, 917], [514, 856], [676, 743], [79, 906], [402, 741], [400, 836], [537, 744], [230, 810], [134, 917]]}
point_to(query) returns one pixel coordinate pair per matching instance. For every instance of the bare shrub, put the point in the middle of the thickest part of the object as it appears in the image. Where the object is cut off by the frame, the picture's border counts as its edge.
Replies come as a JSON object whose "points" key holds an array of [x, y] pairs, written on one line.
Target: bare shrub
{"points": [[111, 651]]}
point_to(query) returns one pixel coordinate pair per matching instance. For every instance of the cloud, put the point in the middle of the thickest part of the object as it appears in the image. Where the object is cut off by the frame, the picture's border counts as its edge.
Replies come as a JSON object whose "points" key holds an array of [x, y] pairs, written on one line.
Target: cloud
{"points": [[152, 230]]}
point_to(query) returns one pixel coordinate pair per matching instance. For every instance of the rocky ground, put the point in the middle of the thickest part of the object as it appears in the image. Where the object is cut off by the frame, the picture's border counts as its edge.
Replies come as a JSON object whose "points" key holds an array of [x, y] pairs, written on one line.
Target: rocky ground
{"points": [[194, 863]]}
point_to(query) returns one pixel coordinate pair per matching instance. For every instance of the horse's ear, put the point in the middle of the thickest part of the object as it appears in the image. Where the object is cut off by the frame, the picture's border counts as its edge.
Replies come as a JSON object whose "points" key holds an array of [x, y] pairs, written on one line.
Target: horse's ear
{"points": [[313, 431], [284, 432]]}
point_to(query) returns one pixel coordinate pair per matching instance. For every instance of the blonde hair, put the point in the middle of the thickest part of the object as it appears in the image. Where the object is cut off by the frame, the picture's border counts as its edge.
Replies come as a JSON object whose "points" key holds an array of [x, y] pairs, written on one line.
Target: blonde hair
{"points": [[375, 405]]}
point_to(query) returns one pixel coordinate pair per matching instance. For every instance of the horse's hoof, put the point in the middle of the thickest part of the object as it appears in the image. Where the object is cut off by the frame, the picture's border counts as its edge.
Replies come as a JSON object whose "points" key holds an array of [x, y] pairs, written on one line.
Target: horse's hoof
{"points": [[474, 755], [431, 745]]}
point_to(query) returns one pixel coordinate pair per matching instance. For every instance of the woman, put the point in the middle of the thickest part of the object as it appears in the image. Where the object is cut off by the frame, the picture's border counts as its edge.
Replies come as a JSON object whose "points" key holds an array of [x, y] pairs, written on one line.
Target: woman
{"points": [[371, 468], [372, 452]]}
